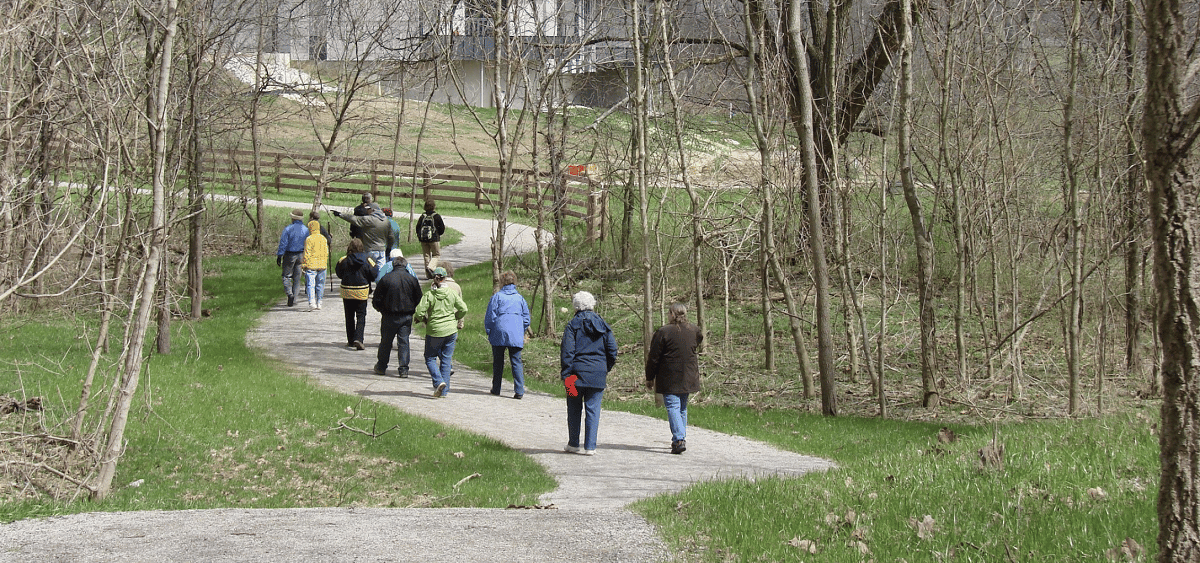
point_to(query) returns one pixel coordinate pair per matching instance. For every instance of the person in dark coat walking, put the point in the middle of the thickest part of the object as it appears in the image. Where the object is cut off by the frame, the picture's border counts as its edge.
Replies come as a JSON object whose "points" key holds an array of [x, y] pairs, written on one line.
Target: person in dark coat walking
{"points": [[673, 370], [589, 352], [430, 228], [396, 296], [505, 322], [356, 270]]}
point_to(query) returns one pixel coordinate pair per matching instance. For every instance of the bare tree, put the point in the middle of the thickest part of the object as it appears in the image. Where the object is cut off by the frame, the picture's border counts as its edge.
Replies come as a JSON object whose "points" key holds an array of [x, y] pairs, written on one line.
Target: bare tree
{"points": [[161, 25], [802, 117]]}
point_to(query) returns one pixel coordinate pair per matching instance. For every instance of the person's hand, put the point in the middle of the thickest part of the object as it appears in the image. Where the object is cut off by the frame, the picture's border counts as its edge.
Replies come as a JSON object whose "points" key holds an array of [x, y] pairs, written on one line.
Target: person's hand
{"points": [[337, 213], [569, 383], [278, 259]]}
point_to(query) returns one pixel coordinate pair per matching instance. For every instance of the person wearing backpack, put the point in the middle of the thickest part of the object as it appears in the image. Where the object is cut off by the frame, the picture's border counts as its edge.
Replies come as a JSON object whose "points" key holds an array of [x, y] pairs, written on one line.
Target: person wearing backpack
{"points": [[430, 229]]}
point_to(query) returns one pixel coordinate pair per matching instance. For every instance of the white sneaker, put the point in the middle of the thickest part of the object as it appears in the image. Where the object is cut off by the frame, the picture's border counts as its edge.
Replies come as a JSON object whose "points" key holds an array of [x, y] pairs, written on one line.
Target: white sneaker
{"points": [[312, 305], [571, 449], [589, 452], [318, 305]]}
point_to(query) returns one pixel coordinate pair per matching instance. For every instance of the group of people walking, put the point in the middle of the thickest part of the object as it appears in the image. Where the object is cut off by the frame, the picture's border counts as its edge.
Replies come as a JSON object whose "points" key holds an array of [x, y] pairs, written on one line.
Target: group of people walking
{"points": [[588, 347]]}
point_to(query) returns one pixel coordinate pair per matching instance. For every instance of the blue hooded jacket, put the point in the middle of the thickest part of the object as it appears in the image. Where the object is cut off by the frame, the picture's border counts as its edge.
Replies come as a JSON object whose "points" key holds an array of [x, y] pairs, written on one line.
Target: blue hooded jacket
{"points": [[506, 318], [589, 349]]}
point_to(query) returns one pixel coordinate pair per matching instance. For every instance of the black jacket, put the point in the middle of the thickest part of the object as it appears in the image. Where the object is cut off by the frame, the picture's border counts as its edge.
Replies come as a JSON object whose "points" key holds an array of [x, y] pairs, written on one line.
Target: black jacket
{"points": [[438, 225], [397, 293]]}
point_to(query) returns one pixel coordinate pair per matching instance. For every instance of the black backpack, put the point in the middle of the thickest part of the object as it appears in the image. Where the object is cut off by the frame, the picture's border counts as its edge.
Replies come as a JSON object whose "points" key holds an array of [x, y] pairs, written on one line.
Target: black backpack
{"points": [[427, 229]]}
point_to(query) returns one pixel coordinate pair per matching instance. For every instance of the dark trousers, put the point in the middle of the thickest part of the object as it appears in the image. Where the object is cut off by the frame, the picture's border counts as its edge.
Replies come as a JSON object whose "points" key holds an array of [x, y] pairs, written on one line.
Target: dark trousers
{"points": [[356, 319], [293, 276], [394, 327]]}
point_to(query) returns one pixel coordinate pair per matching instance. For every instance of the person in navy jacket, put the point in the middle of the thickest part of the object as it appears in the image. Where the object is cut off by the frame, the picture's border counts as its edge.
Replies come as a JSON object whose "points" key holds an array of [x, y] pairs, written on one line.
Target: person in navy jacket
{"points": [[589, 352]]}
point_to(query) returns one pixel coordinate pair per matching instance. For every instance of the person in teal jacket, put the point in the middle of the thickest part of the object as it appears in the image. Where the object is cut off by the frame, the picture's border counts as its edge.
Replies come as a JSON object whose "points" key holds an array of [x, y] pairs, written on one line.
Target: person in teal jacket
{"points": [[440, 309]]}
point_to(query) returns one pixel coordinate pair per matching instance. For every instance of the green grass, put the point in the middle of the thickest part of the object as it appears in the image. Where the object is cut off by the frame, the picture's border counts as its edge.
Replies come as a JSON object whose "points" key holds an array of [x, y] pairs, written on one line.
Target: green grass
{"points": [[1045, 503], [217, 424]]}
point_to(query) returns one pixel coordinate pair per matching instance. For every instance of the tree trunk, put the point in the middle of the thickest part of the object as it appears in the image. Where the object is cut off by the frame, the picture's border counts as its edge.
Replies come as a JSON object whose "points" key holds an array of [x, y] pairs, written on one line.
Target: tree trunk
{"points": [[641, 111], [1074, 220], [1133, 209], [922, 238], [136, 335], [802, 115], [1168, 134]]}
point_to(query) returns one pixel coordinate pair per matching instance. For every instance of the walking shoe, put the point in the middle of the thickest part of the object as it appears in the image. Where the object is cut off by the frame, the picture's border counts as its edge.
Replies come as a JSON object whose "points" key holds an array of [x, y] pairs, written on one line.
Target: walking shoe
{"points": [[571, 449], [318, 305], [312, 305], [378, 371], [440, 391], [496, 393], [589, 452], [291, 300], [359, 345], [678, 446], [402, 374], [518, 396]]}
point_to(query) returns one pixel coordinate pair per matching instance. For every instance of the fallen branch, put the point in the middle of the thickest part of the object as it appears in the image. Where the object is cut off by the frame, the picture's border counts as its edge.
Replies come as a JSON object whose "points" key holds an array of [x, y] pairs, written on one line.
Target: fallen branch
{"points": [[467, 478], [45, 467]]}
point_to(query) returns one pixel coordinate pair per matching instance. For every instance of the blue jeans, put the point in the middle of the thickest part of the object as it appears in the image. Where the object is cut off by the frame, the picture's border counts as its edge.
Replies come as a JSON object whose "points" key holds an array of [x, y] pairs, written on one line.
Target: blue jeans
{"points": [[316, 284], [677, 414], [397, 328], [439, 356], [518, 368], [380, 258], [293, 276], [588, 401]]}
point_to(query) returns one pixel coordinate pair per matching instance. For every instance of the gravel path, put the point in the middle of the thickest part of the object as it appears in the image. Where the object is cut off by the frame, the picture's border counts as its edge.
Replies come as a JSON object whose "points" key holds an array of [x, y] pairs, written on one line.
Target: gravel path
{"points": [[589, 522]]}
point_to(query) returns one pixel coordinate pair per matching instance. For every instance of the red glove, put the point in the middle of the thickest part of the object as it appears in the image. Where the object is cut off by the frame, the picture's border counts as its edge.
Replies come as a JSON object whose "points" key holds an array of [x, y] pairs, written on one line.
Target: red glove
{"points": [[570, 383]]}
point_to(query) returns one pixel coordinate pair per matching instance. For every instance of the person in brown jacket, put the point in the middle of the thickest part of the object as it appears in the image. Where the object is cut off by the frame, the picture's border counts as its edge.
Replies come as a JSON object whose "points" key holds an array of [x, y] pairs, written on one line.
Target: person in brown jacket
{"points": [[673, 369]]}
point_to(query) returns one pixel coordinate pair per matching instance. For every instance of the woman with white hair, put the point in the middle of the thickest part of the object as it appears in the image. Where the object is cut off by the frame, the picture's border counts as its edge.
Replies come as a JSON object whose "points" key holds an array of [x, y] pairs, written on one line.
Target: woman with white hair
{"points": [[589, 351]]}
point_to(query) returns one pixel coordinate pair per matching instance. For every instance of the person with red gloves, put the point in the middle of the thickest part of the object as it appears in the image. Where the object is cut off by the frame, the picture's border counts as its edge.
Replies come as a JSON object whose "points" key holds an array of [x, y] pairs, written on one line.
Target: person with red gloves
{"points": [[589, 352]]}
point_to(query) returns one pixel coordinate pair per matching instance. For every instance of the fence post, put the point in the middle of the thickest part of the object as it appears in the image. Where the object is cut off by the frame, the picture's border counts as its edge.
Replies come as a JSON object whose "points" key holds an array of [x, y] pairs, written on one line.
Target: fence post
{"points": [[375, 180], [595, 214], [477, 173], [278, 171]]}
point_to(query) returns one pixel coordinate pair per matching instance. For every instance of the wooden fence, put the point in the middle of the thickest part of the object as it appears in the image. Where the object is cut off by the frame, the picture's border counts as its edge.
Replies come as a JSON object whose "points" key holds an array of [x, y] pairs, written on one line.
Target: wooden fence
{"points": [[578, 196]]}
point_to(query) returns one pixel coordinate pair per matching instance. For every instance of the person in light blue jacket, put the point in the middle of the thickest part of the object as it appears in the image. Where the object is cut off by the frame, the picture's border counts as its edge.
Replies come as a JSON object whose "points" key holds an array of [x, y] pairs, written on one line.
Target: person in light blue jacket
{"points": [[386, 268], [505, 322]]}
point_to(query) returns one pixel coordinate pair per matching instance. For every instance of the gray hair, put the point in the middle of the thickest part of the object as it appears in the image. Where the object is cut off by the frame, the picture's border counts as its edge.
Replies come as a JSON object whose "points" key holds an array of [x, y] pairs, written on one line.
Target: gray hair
{"points": [[677, 313], [584, 301]]}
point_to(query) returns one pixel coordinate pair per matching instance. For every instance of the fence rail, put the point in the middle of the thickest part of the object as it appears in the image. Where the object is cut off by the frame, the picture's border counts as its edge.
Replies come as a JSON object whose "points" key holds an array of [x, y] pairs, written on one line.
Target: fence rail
{"points": [[578, 196]]}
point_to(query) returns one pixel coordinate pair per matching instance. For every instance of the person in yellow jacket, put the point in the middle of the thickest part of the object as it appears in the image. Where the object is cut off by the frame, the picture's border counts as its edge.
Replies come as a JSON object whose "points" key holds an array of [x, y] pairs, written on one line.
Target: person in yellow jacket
{"points": [[314, 263]]}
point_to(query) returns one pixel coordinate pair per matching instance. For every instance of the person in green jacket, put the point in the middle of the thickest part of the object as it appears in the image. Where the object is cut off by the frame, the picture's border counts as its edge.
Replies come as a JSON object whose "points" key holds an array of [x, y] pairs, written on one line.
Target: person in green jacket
{"points": [[440, 309]]}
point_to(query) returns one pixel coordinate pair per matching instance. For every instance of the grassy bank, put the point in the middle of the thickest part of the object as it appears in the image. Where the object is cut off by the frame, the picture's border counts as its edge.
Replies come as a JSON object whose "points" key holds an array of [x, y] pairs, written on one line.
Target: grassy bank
{"points": [[219, 425]]}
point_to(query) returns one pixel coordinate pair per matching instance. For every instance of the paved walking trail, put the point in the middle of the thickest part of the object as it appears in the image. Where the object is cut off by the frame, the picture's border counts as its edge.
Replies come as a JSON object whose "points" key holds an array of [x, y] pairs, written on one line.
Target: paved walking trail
{"points": [[590, 523]]}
